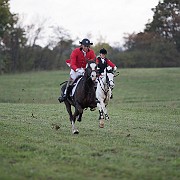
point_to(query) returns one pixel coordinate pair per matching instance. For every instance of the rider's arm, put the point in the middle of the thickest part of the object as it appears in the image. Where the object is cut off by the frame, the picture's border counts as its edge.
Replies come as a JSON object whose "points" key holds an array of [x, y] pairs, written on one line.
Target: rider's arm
{"points": [[109, 62], [73, 57]]}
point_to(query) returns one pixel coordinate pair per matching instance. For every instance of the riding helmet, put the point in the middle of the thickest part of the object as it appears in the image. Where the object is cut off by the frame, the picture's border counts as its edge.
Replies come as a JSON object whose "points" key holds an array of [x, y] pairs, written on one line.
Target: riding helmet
{"points": [[103, 51], [86, 42]]}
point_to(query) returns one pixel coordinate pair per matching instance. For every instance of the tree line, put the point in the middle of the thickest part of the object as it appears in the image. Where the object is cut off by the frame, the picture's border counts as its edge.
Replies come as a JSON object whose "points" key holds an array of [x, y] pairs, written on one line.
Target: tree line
{"points": [[158, 45]]}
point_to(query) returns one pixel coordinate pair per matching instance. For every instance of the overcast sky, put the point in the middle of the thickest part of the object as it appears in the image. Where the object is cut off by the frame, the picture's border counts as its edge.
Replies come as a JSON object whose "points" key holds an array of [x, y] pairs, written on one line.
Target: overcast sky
{"points": [[107, 18]]}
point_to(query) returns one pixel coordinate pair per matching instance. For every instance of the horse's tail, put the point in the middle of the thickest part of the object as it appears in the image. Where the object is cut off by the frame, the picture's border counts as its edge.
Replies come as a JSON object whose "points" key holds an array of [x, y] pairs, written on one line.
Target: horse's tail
{"points": [[63, 83]]}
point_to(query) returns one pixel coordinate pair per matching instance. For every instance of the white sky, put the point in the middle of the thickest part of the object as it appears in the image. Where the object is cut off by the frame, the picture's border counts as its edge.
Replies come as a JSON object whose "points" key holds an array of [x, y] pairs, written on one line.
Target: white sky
{"points": [[107, 18]]}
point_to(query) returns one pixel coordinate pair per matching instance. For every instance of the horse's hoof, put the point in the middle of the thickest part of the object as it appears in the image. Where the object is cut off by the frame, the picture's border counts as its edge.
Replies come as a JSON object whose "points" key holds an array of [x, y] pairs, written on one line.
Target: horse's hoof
{"points": [[101, 123], [92, 109], [101, 117], [75, 131], [107, 117]]}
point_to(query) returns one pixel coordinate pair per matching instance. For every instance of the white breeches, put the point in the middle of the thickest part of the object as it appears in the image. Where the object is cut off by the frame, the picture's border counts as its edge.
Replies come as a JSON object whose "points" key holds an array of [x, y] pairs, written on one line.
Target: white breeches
{"points": [[74, 74]]}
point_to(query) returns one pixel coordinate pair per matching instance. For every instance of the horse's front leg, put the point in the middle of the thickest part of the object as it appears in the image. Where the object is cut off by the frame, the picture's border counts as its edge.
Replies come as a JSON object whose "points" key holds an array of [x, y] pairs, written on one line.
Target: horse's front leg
{"points": [[68, 108], [105, 112], [106, 103], [79, 108], [79, 117], [79, 111], [104, 109], [74, 129], [101, 115]]}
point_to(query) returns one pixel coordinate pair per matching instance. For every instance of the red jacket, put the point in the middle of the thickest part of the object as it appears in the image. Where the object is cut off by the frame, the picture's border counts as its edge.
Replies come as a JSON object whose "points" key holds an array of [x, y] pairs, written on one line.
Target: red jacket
{"points": [[77, 59]]}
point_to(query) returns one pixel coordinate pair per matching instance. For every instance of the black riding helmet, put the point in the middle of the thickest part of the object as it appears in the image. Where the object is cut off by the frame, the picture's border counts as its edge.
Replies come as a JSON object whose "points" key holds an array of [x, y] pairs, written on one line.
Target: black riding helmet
{"points": [[85, 42], [103, 51]]}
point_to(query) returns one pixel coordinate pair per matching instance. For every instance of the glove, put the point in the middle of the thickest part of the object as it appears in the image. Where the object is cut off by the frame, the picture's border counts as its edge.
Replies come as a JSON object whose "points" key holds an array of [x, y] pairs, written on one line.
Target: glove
{"points": [[109, 68], [80, 71], [115, 68]]}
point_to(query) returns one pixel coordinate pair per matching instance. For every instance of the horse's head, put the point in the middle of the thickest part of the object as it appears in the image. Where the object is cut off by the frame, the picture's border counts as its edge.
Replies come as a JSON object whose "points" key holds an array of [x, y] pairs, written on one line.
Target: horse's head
{"points": [[110, 77], [91, 69]]}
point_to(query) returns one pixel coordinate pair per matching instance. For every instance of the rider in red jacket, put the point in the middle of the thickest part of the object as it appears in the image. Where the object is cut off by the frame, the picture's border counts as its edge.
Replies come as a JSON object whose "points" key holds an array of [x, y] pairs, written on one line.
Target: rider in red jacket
{"points": [[77, 62], [79, 57]]}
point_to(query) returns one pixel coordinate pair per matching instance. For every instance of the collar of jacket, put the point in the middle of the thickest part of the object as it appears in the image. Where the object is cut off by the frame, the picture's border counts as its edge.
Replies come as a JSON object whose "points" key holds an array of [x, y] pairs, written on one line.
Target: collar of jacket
{"points": [[82, 48]]}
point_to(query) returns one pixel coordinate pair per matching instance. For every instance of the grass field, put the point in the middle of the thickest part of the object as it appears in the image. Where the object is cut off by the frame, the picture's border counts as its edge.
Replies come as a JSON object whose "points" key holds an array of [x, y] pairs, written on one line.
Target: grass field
{"points": [[141, 141]]}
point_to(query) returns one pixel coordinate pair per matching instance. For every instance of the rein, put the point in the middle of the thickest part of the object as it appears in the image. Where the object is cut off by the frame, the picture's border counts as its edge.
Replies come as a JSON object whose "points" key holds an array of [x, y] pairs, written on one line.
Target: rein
{"points": [[63, 83], [117, 74], [87, 77]]}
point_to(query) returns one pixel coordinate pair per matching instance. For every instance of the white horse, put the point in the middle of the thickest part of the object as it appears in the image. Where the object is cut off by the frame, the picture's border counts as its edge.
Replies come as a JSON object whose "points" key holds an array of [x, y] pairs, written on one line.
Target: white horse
{"points": [[103, 93]]}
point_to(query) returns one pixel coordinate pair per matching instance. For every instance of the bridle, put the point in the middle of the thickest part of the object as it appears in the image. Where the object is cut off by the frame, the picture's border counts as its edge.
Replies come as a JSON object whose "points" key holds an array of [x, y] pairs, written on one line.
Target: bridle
{"points": [[106, 85], [89, 71]]}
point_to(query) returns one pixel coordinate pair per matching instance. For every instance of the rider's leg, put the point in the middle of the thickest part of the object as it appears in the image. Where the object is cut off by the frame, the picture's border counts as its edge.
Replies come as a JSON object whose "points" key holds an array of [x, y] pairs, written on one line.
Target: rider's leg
{"points": [[66, 91], [69, 83]]}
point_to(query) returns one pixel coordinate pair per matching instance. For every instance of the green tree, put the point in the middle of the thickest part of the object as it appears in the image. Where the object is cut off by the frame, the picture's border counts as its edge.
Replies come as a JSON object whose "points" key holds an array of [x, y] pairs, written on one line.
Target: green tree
{"points": [[13, 41], [5, 22], [166, 21], [11, 38], [158, 45], [6, 18]]}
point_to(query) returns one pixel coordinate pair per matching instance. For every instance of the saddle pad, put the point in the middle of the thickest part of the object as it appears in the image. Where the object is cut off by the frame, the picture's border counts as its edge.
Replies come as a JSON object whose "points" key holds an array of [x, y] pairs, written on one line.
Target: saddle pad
{"points": [[75, 85]]}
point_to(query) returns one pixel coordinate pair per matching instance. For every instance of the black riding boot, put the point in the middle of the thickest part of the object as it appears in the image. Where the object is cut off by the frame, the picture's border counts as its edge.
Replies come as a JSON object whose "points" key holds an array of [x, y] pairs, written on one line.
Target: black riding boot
{"points": [[64, 96]]}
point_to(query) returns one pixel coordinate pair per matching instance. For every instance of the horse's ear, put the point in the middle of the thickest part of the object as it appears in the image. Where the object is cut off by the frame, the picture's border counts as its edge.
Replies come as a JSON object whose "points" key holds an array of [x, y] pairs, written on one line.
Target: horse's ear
{"points": [[91, 60], [87, 60]]}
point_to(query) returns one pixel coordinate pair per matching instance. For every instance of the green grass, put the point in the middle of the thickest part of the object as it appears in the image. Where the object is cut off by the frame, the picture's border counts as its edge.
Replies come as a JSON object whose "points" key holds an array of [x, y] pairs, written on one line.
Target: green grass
{"points": [[141, 141]]}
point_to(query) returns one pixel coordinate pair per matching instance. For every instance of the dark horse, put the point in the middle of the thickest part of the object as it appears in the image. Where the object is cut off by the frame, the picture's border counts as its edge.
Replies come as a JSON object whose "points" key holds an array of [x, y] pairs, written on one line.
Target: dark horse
{"points": [[82, 94]]}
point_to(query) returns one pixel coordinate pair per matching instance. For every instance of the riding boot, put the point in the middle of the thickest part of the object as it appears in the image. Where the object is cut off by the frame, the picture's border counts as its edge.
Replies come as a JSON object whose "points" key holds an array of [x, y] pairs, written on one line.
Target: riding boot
{"points": [[66, 91]]}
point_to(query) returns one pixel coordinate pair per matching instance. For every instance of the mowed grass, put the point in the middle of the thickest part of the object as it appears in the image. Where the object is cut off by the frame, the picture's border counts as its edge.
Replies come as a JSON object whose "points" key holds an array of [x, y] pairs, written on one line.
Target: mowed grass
{"points": [[141, 141]]}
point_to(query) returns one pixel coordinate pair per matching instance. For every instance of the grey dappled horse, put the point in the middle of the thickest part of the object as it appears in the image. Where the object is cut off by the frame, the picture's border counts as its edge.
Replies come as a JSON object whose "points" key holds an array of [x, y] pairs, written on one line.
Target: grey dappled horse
{"points": [[103, 93]]}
